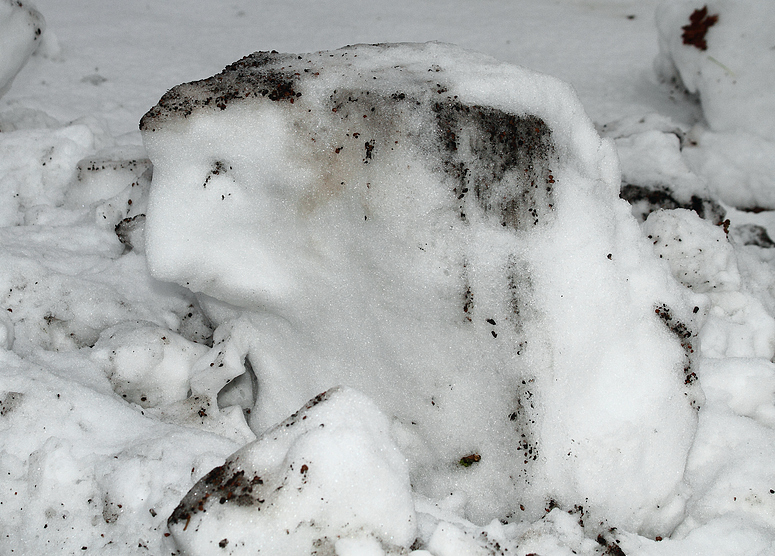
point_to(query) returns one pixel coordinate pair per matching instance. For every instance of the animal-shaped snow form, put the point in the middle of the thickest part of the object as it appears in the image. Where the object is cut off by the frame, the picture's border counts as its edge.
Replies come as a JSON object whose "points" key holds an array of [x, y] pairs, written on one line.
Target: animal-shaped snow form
{"points": [[21, 28], [442, 232]]}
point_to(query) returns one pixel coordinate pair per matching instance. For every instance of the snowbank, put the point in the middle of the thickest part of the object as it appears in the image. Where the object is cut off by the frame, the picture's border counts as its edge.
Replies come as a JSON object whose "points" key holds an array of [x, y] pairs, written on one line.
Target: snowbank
{"points": [[442, 232], [21, 28], [83, 472]]}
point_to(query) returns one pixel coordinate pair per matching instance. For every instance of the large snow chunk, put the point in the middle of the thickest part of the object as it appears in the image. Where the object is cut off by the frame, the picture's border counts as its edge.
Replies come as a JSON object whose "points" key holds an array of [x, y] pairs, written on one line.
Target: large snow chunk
{"points": [[654, 172], [146, 364], [722, 50], [20, 31], [441, 231], [329, 474], [37, 166]]}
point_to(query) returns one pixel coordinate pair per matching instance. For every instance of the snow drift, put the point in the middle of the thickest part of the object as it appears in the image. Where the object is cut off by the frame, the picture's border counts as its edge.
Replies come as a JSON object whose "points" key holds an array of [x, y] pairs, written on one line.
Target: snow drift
{"points": [[442, 232]]}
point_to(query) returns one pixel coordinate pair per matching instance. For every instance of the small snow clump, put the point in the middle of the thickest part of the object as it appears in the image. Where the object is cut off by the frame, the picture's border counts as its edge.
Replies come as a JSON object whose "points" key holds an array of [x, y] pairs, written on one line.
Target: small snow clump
{"points": [[21, 28]]}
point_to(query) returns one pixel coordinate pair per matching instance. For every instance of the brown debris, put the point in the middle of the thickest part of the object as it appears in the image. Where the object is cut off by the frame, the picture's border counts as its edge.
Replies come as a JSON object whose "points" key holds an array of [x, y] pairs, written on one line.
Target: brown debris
{"points": [[700, 22]]}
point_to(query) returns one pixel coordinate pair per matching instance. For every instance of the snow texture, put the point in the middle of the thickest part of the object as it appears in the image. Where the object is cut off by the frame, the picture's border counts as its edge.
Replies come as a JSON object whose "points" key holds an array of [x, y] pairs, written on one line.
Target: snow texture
{"points": [[442, 232]]}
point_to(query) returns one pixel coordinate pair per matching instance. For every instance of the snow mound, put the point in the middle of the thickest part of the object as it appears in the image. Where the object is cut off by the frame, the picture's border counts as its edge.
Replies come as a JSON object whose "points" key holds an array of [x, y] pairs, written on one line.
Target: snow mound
{"points": [[654, 172], [83, 469], [37, 166], [327, 479], [442, 232], [723, 51], [739, 167], [21, 28]]}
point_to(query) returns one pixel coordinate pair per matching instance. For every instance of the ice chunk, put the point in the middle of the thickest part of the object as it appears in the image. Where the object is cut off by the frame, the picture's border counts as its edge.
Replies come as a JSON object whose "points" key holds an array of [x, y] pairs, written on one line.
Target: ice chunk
{"points": [[723, 51], [441, 231], [21, 28], [329, 476]]}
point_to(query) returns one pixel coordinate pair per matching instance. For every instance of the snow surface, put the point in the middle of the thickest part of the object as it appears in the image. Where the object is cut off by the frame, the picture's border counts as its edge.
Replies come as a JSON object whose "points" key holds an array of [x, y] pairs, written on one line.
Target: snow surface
{"points": [[86, 469]]}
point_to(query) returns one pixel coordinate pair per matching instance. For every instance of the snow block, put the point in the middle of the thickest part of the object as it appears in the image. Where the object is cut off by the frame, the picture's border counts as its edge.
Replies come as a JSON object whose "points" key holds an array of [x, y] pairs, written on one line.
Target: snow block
{"points": [[329, 473], [21, 28], [442, 232]]}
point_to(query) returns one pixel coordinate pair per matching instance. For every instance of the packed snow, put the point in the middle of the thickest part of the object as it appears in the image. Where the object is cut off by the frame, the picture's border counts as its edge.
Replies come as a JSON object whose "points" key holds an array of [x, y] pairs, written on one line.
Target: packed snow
{"points": [[316, 303]]}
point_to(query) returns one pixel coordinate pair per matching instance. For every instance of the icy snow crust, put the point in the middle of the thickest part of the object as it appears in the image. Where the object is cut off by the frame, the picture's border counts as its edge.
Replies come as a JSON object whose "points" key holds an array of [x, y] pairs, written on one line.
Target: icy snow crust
{"points": [[442, 232]]}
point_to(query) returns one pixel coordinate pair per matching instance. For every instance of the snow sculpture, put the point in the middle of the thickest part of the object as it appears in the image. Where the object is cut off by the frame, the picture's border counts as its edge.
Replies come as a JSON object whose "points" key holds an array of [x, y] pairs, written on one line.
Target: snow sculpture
{"points": [[146, 364], [328, 473], [20, 30], [442, 232], [722, 50]]}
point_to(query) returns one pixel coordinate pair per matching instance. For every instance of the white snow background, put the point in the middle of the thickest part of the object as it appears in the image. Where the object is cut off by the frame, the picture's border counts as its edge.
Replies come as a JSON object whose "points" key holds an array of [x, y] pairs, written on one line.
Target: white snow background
{"points": [[99, 437]]}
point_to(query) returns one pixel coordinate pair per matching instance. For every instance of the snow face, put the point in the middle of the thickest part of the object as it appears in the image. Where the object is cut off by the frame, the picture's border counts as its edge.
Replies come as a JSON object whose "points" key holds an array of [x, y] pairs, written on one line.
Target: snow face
{"points": [[442, 232], [21, 28], [329, 478]]}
